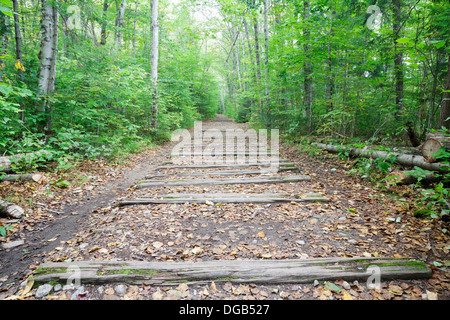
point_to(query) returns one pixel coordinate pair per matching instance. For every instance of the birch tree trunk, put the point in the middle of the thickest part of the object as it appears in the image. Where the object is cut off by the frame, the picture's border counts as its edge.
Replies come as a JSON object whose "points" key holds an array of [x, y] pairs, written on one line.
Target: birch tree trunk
{"points": [[257, 52], [18, 36], [103, 32], [154, 62], [307, 82], [444, 114], [266, 60], [398, 57], [330, 66], [47, 61], [134, 27], [238, 61], [250, 51], [119, 24]]}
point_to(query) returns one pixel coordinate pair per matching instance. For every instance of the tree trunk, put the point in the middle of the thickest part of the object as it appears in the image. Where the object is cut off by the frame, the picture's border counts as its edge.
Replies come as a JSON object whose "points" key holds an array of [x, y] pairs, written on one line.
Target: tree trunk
{"points": [[258, 59], [444, 114], [18, 36], [412, 134], [119, 25], [238, 60], [307, 82], [266, 61], [47, 61], [250, 50], [103, 32], [398, 57], [330, 65], [154, 62], [134, 27], [94, 36]]}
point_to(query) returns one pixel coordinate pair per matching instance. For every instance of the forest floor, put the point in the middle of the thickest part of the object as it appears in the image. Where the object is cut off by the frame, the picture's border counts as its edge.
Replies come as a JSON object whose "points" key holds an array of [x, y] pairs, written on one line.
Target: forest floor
{"points": [[83, 222]]}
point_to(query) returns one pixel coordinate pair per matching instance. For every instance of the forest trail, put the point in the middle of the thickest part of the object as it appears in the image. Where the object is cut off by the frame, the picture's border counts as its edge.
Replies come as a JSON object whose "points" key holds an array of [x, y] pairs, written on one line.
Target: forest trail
{"points": [[219, 216]]}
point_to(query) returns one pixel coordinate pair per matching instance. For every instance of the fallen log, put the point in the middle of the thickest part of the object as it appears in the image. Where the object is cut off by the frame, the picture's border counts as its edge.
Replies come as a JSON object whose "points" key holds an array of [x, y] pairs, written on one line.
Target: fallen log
{"points": [[211, 182], [409, 177], [5, 162], [10, 210], [403, 159], [36, 177], [209, 198], [435, 141], [236, 271]]}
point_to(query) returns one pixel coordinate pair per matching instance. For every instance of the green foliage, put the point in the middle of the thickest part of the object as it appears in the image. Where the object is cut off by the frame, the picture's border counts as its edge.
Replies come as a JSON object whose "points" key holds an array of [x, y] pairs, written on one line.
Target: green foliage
{"points": [[4, 229], [102, 103], [434, 202]]}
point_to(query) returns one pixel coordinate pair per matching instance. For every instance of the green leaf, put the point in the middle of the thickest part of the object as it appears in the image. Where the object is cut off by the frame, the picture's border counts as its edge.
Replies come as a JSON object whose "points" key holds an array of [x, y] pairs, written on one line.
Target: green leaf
{"points": [[5, 89], [437, 264], [403, 40], [440, 44], [332, 287], [6, 11]]}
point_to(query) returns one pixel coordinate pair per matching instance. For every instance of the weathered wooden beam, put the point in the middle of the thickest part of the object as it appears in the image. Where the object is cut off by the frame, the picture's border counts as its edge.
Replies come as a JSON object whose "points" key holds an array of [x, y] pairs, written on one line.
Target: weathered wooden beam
{"points": [[222, 173], [210, 182], [236, 271], [225, 198], [218, 166], [226, 153]]}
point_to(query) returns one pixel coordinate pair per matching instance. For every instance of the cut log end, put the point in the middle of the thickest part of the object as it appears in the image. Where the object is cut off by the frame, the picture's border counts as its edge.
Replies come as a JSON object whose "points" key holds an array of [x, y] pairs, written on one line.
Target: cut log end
{"points": [[10, 210], [430, 148], [36, 177]]}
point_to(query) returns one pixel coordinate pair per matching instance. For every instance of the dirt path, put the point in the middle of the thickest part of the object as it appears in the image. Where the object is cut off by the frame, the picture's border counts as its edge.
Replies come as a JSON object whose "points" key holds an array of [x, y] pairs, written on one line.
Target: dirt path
{"points": [[352, 224]]}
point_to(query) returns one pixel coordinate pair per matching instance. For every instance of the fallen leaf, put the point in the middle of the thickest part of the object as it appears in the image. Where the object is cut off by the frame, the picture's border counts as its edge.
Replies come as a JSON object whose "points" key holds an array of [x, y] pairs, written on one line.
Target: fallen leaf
{"points": [[28, 287], [331, 286], [205, 292], [346, 296], [432, 295], [261, 234], [396, 290], [158, 295], [212, 287], [92, 249], [157, 244], [197, 250], [109, 291]]}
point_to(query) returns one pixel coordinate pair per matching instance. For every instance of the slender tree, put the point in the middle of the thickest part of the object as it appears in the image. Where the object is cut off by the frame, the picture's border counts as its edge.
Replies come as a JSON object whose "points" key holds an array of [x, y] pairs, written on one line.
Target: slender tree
{"points": [[18, 36], [444, 114], [47, 62], [104, 23], [154, 62], [118, 39]]}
